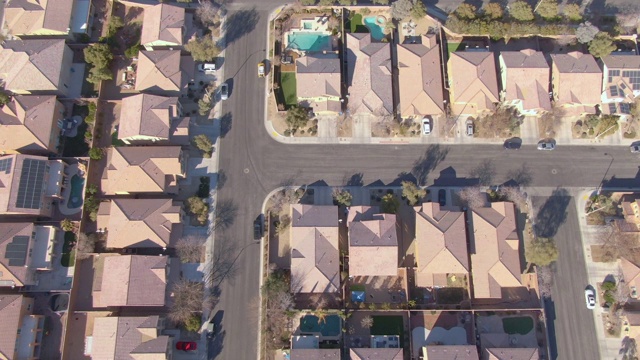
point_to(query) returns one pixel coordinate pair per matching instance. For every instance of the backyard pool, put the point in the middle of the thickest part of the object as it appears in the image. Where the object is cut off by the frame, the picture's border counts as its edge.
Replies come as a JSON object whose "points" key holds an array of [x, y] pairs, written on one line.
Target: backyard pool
{"points": [[75, 198], [309, 41], [375, 24], [330, 326]]}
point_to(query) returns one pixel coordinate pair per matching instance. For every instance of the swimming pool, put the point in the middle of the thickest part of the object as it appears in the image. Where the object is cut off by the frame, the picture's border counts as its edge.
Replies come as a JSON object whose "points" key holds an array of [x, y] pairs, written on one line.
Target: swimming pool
{"points": [[376, 30], [75, 198], [331, 325], [309, 41]]}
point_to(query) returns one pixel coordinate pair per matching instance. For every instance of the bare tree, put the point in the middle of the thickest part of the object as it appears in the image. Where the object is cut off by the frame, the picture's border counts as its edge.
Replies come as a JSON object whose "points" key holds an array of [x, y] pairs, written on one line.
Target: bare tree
{"points": [[190, 248], [288, 195], [207, 14], [545, 281], [367, 322], [473, 197], [86, 245], [515, 195], [615, 243], [187, 299], [283, 223], [622, 292]]}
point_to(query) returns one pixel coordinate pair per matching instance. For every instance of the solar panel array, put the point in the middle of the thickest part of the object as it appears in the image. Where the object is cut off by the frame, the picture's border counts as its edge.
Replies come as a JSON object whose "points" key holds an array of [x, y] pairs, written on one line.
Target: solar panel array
{"points": [[614, 90], [31, 183], [625, 108], [613, 73], [634, 78], [16, 251], [5, 165], [612, 108]]}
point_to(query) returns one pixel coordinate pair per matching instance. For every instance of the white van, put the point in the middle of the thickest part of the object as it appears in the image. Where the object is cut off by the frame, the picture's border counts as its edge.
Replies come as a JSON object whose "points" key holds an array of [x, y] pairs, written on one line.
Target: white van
{"points": [[207, 67]]}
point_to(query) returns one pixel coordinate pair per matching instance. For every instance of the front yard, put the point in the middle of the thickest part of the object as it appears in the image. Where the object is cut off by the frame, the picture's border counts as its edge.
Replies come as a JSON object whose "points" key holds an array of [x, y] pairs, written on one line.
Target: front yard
{"points": [[593, 126], [288, 83]]}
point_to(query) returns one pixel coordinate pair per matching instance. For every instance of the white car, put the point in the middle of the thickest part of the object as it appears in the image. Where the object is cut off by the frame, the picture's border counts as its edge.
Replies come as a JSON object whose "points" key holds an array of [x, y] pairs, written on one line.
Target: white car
{"points": [[546, 145], [426, 126], [224, 91], [590, 298], [206, 67]]}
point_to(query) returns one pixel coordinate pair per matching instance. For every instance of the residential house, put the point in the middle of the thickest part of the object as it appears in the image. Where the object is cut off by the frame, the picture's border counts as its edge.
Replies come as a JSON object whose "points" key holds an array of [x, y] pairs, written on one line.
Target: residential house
{"points": [[576, 81], [26, 249], [318, 82], [31, 124], [21, 332], [131, 280], [30, 185], [631, 275], [146, 119], [620, 83], [143, 169], [372, 235], [315, 262], [525, 79], [164, 26], [441, 245], [630, 205], [164, 72], [46, 17], [451, 352], [139, 337], [39, 67], [511, 353], [315, 354], [473, 83], [420, 78], [631, 327], [140, 223], [495, 250], [378, 354], [368, 75]]}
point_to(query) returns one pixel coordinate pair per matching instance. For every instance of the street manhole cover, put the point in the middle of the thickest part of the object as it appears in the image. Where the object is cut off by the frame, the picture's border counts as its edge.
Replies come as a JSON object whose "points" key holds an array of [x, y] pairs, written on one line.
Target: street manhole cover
{"points": [[246, 171], [554, 171]]}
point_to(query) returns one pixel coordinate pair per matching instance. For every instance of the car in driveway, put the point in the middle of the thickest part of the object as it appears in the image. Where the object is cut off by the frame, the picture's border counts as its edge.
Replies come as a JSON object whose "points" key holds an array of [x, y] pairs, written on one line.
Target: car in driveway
{"points": [[207, 67], [224, 91], [469, 128], [442, 197], [186, 346], [426, 126], [546, 145], [590, 298]]}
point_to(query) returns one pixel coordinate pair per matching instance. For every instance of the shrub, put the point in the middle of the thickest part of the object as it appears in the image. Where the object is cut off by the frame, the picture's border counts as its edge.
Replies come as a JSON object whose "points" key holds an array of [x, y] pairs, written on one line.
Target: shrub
{"points": [[629, 135], [197, 207], [466, 11], [548, 9], [193, 323], [96, 153], [572, 12], [493, 11], [601, 45], [204, 187], [608, 286], [390, 204], [521, 11], [67, 225], [204, 144]]}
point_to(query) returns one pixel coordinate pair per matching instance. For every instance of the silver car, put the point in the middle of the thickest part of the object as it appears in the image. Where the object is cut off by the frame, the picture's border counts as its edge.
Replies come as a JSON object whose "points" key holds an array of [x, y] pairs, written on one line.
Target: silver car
{"points": [[635, 148], [546, 145], [426, 126], [224, 91]]}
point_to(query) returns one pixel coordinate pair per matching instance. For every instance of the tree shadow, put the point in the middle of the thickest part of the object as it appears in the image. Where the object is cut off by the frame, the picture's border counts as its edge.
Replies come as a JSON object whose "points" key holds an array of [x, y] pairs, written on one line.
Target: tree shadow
{"points": [[484, 172], [628, 348], [216, 344], [355, 180], [223, 265], [449, 177], [403, 176], [521, 176], [239, 24], [225, 124], [552, 214], [222, 179], [428, 162], [225, 214], [550, 311]]}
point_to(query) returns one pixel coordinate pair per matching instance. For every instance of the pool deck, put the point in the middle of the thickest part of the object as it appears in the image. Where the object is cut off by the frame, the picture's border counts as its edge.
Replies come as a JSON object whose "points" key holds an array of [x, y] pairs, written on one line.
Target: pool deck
{"points": [[63, 204]]}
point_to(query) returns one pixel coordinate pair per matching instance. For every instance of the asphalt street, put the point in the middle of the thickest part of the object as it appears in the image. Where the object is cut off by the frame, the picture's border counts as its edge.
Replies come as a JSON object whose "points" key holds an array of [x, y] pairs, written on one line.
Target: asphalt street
{"points": [[254, 164]]}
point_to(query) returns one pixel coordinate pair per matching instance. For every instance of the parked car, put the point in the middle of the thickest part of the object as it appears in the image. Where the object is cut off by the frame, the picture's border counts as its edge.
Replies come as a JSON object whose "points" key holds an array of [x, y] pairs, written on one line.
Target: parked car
{"points": [[207, 67], [211, 329], [224, 91], [426, 126], [258, 227], [635, 148], [469, 128], [590, 298], [186, 345], [547, 145], [261, 69], [442, 197]]}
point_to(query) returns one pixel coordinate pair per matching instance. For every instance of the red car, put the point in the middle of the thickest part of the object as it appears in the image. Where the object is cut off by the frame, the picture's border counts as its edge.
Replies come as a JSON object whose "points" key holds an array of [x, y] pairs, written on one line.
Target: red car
{"points": [[186, 345]]}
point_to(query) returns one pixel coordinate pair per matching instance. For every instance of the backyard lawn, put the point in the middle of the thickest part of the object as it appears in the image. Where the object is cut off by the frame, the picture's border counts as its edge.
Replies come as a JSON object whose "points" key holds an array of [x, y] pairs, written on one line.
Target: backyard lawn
{"points": [[68, 255], [288, 82], [517, 325], [453, 46], [356, 25], [115, 141], [388, 325]]}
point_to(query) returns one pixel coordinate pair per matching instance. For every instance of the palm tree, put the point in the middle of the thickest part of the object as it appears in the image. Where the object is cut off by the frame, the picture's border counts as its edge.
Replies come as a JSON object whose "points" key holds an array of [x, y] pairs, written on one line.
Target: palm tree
{"points": [[367, 322], [321, 314]]}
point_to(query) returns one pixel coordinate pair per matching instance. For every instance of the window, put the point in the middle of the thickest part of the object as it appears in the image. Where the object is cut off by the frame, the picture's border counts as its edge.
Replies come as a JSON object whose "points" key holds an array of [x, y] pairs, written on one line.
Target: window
{"points": [[613, 90]]}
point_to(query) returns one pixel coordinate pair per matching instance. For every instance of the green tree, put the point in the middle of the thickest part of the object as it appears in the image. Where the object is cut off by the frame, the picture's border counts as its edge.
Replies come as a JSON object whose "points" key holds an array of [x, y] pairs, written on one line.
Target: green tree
{"points": [[390, 204], [548, 9], [92, 189], [96, 153], [493, 11], [98, 74], [342, 197], [541, 251], [115, 24], [381, 2], [326, 2], [521, 11], [67, 225], [194, 322], [4, 98], [466, 11], [346, 2], [204, 143], [401, 9], [412, 192], [572, 12], [307, 2], [202, 49], [586, 32], [204, 107], [602, 45], [418, 11], [99, 55], [297, 117], [196, 206]]}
